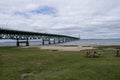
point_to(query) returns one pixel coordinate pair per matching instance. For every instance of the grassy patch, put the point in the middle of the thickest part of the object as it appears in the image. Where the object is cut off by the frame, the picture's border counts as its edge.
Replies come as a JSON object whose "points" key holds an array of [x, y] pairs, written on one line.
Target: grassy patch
{"points": [[104, 47], [35, 64]]}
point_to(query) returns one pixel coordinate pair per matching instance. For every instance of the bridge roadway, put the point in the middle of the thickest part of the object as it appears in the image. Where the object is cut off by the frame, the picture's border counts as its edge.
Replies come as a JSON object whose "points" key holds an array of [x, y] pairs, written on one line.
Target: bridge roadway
{"points": [[27, 35]]}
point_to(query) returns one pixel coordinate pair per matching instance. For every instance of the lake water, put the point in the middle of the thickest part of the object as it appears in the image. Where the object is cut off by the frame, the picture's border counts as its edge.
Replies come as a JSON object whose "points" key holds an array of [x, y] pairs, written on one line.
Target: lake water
{"points": [[95, 42], [82, 42]]}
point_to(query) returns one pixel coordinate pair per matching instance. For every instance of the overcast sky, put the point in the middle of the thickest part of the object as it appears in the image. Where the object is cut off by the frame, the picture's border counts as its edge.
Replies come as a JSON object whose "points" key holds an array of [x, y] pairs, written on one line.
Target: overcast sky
{"points": [[89, 18]]}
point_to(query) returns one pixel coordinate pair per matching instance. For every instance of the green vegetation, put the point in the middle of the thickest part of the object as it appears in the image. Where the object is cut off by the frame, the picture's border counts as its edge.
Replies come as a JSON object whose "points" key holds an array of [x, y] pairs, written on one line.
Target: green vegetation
{"points": [[108, 47], [38, 64]]}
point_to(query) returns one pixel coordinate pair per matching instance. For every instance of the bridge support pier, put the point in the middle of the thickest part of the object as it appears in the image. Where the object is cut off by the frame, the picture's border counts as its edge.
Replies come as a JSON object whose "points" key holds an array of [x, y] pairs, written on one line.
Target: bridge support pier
{"points": [[27, 42], [18, 42], [49, 42], [58, 40], [54, 41], [43, 43]]}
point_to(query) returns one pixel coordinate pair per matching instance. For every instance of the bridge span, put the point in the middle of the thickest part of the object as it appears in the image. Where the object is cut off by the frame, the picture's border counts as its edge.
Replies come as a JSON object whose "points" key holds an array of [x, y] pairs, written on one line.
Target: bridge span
{"points": [[27, 35]]}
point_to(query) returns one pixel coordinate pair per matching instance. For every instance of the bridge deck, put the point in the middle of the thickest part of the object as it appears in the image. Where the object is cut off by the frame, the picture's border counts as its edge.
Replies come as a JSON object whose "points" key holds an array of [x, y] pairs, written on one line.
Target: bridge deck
{"points": [[18, 32], [26, 35]]}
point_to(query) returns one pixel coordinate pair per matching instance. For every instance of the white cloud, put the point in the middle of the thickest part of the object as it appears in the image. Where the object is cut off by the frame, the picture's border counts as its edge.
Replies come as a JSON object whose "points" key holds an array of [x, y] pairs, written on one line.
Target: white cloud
{"points": [[90, 18]]}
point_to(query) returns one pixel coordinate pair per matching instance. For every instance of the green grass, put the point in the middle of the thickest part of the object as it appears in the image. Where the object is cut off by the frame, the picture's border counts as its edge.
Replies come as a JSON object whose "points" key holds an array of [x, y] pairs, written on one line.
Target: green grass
{"points": [[57, 65], [104, 47]]}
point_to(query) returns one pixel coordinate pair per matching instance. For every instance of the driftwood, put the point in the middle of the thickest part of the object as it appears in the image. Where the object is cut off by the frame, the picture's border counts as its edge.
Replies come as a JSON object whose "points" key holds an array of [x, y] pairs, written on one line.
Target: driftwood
{"points": [[92, 54]]}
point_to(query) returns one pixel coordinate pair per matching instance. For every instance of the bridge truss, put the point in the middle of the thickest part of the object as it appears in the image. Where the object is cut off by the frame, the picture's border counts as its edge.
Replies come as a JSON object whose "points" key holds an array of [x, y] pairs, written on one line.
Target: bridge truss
{"points": [[27, 35]]}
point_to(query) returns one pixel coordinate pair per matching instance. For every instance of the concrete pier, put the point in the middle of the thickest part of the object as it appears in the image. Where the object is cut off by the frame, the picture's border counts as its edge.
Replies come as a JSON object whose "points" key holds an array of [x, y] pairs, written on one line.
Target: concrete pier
{"points": [[18, 42]]}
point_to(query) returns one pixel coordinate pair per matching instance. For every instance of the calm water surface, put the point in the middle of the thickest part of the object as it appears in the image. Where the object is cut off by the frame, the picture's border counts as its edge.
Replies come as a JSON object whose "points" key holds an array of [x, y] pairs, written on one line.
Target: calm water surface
{"points": [[95, 42], [80, 42]]}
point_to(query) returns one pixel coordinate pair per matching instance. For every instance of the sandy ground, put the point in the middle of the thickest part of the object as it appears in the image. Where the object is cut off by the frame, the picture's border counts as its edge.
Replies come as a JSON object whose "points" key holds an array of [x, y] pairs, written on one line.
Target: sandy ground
{"points": [[65, 48]]}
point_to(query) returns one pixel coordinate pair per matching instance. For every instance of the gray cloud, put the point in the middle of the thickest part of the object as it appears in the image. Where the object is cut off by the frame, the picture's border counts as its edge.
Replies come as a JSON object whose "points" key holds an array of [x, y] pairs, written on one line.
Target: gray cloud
{"points": [[90, 19]]}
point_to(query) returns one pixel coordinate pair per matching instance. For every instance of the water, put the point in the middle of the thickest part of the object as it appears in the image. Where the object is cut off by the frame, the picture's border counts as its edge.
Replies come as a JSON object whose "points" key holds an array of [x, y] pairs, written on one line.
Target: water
{"points": [[82, 42], [86, 42], [5, 42]]}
